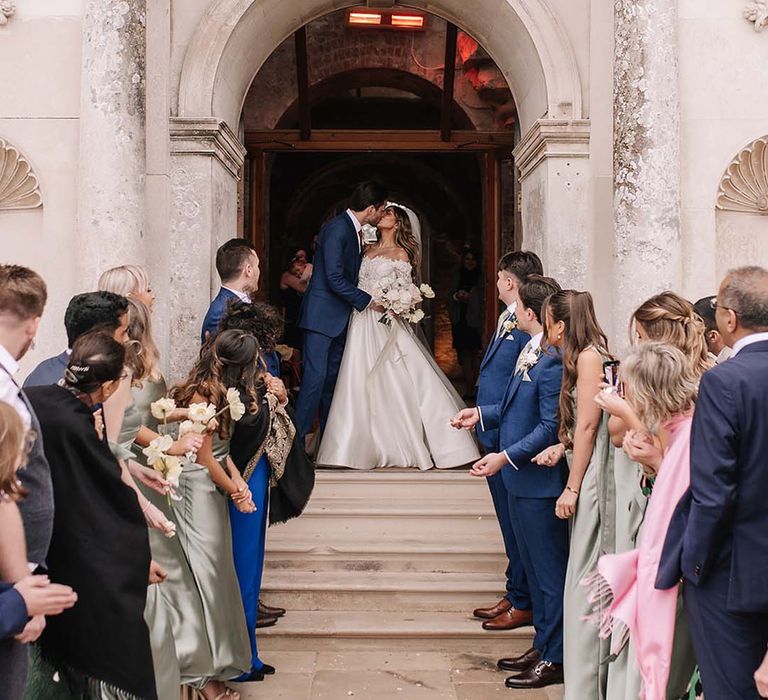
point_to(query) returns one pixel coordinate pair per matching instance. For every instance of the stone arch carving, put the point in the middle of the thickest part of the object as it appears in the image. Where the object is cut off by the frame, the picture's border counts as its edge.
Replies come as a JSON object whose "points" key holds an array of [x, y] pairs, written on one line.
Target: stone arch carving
{"points": [[524, 37], [19, 188], [744, 186]]}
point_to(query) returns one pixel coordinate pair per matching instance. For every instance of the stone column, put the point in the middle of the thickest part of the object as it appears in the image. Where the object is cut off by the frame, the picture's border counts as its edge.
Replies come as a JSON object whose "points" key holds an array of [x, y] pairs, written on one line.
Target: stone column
{"points": [[112, 162], [553, 159], [646, 155], [206, 166]]}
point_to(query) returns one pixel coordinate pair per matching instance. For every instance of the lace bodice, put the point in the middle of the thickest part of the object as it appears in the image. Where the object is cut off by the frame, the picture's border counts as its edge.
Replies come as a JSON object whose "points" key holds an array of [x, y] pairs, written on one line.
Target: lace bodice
{"points": [[374, 269]]}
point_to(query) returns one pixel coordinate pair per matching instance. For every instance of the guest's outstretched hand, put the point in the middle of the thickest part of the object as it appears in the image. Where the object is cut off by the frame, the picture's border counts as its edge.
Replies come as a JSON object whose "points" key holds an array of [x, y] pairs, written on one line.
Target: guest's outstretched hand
{"points": [[489, 465], [551, 456], [151, 478], [466, 419]]}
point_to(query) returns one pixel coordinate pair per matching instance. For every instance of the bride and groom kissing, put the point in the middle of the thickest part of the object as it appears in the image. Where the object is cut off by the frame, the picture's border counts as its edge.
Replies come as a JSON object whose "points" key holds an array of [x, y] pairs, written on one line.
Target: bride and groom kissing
{"points": [[381, 397]]}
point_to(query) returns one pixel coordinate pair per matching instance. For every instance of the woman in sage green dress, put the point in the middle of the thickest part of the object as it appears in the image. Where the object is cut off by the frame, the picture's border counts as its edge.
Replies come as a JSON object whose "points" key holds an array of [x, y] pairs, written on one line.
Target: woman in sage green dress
{"points": [[205, 488], [589, 495], [666, 318]]}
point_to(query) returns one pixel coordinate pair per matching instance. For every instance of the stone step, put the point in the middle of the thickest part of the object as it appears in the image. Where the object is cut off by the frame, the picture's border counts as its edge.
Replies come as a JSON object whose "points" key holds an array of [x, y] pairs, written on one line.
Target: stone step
{"points": [[381, 591], [433, 631]]}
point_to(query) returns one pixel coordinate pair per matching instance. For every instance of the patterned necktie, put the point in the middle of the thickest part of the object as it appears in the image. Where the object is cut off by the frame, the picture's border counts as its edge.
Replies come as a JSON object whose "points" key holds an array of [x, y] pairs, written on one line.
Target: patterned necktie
{"points": [[504, 318]]}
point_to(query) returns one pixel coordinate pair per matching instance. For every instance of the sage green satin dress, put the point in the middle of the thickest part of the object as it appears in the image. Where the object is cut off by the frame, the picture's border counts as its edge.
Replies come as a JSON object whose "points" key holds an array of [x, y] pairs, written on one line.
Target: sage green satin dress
{"points": [[201, 596], [593, 532]]}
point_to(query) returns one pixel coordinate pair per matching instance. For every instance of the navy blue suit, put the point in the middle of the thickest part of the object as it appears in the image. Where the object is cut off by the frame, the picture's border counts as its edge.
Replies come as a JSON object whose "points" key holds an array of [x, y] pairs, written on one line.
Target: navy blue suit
{"points": [[13, 611], [325, 312], [717, 537], [49, 371], [215, 312], [495, 371], [527, 421]]}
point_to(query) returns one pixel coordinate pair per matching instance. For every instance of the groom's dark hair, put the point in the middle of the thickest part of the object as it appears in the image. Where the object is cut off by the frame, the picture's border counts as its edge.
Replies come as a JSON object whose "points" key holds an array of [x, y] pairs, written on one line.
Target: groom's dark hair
{"points": [[521, 264], [535, 291], [366, 194]]}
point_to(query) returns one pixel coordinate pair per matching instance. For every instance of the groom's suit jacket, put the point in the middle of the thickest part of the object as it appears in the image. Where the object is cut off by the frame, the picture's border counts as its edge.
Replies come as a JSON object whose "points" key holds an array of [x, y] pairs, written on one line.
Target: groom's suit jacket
{"points": [[526, 418], [496, 370], [333, 291]]}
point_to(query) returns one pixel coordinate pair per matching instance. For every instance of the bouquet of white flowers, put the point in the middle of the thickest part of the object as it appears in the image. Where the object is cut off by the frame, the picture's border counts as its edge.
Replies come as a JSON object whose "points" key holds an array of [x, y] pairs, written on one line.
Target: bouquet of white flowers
{"points": [[400, 298]]}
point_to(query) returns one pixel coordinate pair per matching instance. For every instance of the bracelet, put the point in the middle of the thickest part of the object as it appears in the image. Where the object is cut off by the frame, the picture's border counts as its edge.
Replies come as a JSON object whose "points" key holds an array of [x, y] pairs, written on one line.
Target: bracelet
{"points": [[573, 491]]}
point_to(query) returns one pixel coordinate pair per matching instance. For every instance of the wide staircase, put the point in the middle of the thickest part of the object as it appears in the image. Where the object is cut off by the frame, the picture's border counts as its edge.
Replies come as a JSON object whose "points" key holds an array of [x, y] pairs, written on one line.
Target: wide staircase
{"points": [[388, 559]]}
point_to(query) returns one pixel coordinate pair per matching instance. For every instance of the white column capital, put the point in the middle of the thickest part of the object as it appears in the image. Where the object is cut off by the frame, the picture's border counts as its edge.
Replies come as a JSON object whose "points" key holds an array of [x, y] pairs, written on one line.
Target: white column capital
{"points": [[208, 136], [552, 138]]}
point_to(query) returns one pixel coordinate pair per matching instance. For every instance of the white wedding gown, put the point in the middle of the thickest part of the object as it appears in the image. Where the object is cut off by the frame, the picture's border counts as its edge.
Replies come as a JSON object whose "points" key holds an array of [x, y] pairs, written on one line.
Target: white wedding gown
{"points": [[392, 405]]}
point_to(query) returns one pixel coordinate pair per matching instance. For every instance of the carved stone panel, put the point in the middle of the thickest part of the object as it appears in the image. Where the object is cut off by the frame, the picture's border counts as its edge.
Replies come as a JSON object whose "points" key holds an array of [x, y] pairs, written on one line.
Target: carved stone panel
{"points": [[19, 188], [744, 186], [7, 9]]}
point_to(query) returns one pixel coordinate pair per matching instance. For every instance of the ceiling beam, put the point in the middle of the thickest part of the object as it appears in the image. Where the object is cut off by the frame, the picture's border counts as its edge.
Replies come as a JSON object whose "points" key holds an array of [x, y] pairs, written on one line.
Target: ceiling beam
{"points": [[302, 80], [449, 75]]}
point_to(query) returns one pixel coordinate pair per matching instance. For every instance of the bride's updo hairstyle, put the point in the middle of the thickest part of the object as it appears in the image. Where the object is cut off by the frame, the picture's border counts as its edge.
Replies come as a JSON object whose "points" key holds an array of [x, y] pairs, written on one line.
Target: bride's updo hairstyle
{"points": [[231, 360], [96, 359], [404, 237]]}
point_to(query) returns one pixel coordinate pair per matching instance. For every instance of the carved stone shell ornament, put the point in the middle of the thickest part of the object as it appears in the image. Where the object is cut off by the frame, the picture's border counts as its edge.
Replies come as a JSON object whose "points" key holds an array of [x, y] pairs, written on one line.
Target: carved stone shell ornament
{"points": [[7, 9], [744, 186], [19, 188]]}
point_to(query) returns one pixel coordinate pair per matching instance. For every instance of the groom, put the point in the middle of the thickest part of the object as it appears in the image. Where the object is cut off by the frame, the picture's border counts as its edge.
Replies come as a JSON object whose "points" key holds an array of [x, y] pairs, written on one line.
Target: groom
{"points": [[330, 298]]}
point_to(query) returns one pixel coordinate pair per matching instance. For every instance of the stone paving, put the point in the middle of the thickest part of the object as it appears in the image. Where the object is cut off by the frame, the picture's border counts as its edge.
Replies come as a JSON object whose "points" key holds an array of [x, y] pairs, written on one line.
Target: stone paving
{"points": [[376, 675]]}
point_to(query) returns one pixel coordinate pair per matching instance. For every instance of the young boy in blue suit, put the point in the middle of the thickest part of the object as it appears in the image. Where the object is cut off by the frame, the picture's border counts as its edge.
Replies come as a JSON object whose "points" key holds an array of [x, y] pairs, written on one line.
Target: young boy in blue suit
{"points": [[514, 610], [526, 418]]}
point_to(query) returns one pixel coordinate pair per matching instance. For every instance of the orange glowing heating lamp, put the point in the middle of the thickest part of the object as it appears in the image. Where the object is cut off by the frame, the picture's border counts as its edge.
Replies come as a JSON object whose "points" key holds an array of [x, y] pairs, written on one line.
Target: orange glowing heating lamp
{"points": [[407, 21], [363, 17]]}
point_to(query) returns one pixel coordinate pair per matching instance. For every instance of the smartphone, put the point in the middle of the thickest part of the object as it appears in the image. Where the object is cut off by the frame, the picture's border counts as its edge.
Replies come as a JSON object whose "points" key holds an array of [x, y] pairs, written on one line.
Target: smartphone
{"points": [[611, 372]]}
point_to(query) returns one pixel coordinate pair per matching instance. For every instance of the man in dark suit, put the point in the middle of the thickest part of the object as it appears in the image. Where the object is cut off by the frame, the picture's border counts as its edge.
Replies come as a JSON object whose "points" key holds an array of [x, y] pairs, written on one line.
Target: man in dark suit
{"points": [[527, 421], [85, 312], [495, 371], [331, 296], [717, 538], [238, 266]]}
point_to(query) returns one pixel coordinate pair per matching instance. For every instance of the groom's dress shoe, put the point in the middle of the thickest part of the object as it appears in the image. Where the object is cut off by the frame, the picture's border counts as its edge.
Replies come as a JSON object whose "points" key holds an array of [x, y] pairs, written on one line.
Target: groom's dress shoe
{"points": [[539, 675], [489, 613], [519, 664], [509, 620]]}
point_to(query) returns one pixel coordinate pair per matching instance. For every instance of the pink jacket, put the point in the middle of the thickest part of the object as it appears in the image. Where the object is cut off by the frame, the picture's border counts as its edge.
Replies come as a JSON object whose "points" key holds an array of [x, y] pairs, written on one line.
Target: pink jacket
{"points": [[649, 614]]}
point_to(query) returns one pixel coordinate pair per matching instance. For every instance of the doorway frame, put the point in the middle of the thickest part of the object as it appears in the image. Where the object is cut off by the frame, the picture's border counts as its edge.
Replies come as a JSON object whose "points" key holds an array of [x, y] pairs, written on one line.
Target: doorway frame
{"points": [[493, 146]]}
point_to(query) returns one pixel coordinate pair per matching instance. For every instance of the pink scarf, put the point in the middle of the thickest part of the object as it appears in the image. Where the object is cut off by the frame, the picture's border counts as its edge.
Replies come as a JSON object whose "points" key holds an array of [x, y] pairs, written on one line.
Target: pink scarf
{"points": [[649, 614]]}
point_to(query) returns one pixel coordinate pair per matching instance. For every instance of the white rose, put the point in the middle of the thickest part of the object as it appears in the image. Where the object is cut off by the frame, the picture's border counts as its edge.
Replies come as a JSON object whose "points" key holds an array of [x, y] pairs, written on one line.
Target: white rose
{"points": [[427, 292], [173, 469], [162, 408], [417, 316], [201, 412], [405, 298], [392, 295], [188, 426], [156, 450], [236, 406]]}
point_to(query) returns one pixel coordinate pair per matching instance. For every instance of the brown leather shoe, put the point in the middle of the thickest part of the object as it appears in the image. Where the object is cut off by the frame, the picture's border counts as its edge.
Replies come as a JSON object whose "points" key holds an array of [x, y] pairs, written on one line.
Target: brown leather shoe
{"points": [[539, 675], [509, 620], [269, 611], [489, 613], [519, 664], [265, 621]]}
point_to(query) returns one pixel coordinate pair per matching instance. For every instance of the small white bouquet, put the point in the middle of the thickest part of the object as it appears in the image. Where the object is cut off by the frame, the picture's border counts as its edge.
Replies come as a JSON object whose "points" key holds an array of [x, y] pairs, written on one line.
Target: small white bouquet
{"points": [[400, 298]]}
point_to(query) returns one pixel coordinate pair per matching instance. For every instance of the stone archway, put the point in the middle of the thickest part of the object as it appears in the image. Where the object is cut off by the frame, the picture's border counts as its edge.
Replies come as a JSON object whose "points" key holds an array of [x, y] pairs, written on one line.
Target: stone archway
{"points": [[234, 39]]}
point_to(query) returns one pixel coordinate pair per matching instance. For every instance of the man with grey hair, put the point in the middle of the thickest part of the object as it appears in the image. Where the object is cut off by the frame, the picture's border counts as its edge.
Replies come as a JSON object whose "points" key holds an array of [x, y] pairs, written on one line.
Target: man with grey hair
{"points": [[717, 538]]}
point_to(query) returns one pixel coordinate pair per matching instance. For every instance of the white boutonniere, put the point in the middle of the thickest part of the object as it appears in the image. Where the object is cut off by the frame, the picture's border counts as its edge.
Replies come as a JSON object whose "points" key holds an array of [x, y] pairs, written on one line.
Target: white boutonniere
{"points": [[528, 361], [509, 325]]}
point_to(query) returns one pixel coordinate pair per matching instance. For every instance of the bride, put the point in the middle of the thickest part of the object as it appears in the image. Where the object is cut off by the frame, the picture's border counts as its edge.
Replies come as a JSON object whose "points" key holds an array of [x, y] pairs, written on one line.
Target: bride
{"points": [[392, 405]]}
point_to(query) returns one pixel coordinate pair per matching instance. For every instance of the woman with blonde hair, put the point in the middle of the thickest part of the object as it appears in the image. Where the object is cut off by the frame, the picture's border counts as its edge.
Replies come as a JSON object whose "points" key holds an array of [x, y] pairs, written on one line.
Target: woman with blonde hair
{"points": [[130, 281], [571, 324], [661, 388]]}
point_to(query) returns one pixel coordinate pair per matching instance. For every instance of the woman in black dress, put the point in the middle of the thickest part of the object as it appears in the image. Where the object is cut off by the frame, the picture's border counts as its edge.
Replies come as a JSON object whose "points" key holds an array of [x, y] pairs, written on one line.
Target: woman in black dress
{"points": [[100, 648]]}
